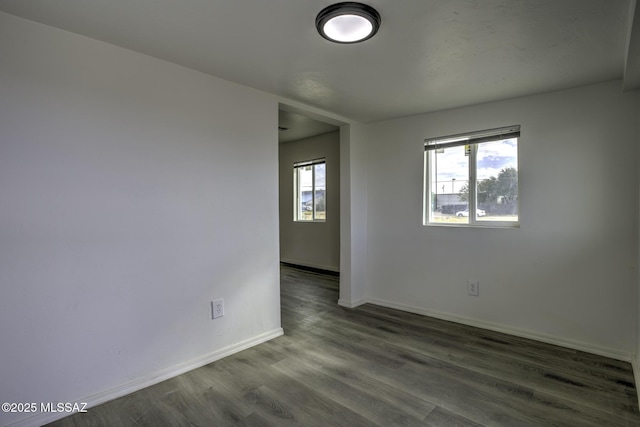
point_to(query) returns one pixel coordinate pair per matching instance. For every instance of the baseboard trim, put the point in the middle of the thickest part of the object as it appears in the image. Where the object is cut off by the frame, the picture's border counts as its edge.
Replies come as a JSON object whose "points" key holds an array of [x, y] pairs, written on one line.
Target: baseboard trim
{"points": [[496, 327], [351, 304], [325, 269], [149, 380]]}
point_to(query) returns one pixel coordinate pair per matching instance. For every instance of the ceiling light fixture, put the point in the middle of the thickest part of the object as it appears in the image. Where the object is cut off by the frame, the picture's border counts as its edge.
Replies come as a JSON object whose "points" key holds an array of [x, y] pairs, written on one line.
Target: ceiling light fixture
{"points": [[348, 22]]}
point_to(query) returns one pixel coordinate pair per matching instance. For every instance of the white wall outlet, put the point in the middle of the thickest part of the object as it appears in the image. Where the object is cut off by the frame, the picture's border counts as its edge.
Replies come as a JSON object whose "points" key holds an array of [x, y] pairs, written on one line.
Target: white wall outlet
{"points": [[473, 287], [217, 308]]}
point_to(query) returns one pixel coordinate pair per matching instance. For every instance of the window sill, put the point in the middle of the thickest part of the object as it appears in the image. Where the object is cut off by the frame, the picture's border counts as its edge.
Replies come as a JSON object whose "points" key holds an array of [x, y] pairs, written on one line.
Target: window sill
{"points": [[474, 225]]}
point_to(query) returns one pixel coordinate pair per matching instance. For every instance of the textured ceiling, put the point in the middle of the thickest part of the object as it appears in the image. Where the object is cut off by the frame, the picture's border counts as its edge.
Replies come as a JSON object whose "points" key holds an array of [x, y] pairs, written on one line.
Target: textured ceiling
{"points": [[295, 126], [428, 55]]}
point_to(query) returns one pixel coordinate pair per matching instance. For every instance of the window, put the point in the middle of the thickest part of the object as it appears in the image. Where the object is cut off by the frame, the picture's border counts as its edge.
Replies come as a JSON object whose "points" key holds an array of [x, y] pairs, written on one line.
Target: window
{"points": [[309, 187], [472, 179]]}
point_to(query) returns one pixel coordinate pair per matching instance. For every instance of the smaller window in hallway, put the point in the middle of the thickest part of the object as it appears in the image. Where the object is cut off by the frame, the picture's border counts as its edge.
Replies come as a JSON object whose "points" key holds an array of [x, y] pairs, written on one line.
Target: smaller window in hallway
{"points": [[310, 186]]}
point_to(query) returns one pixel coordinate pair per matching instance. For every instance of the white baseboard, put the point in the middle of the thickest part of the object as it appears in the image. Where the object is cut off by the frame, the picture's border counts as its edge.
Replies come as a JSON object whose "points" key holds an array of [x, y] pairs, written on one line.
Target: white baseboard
{"points": [[149, 380], [351, 304], [563, 342]]}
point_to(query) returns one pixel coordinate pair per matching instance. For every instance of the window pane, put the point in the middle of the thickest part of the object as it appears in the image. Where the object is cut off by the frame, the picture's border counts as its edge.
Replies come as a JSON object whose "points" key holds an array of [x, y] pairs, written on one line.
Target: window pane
{"points": [[449, 169], [310, 191], [497, 178], [320, 187], [304, 196]]}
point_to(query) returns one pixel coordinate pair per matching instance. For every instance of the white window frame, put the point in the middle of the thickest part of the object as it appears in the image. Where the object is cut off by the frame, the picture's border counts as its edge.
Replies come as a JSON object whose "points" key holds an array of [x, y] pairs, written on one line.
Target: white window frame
{"points": [[297, 212], [471, 139]]}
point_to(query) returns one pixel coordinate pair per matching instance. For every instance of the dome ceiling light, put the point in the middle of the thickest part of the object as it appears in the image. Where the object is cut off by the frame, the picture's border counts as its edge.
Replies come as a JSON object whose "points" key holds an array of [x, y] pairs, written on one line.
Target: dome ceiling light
{"points": [[348, 22]]}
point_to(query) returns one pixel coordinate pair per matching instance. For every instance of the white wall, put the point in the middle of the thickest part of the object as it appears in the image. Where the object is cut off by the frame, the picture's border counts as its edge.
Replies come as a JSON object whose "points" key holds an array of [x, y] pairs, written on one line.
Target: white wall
{"points": [[567, 275], [313, 244], [124, 183], [353, 215]]}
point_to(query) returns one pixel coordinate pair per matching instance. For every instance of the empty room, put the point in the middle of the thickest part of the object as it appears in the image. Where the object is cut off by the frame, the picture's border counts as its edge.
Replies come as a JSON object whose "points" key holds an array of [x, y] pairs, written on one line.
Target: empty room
{"points": [[315, 213]]}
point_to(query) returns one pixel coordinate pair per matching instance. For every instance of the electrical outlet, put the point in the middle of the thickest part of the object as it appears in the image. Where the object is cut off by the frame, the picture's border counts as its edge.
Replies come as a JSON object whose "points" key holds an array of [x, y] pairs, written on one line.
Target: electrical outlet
{"points": [[217, 308], [473, 287]]}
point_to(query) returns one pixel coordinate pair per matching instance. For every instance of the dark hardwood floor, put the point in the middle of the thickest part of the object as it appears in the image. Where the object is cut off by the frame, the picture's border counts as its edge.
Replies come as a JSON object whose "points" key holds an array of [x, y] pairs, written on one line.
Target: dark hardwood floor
{"points": [[376, 366]]}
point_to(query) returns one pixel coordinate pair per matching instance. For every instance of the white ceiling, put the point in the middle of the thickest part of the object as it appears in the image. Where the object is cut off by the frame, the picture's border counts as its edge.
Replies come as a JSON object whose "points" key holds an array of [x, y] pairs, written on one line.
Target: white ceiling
{"points": [[294, 126], [428, 55]]}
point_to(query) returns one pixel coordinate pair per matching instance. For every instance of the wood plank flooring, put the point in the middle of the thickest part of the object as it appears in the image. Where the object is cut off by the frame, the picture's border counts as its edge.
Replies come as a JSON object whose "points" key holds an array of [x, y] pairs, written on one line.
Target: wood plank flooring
{"points": [[373, 366]]}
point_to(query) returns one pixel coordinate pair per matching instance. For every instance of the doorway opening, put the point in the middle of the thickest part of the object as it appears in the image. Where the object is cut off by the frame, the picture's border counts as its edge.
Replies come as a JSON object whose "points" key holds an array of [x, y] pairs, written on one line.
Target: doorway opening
{"points": [[307, 240]]}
